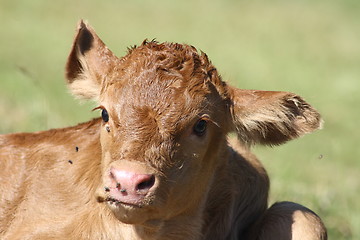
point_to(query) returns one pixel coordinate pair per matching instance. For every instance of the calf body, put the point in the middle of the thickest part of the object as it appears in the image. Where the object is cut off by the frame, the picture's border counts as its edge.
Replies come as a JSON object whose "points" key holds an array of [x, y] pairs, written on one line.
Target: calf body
{"points": [[157, 164]]}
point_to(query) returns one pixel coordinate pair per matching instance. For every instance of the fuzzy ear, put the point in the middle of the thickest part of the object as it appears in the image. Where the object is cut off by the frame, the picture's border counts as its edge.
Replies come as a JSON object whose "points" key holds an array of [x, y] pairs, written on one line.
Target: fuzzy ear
{"points": [[88, 64], [271, 118]]}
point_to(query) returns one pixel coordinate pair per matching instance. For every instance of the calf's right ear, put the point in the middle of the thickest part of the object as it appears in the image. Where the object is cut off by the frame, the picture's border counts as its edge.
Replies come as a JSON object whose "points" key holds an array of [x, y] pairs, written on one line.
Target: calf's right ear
{"points": [[89, 63]]}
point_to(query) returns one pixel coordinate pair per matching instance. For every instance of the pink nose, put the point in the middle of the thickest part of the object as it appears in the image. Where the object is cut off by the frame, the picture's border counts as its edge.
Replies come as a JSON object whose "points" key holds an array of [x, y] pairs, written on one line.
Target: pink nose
{"points": [[131, 184]]}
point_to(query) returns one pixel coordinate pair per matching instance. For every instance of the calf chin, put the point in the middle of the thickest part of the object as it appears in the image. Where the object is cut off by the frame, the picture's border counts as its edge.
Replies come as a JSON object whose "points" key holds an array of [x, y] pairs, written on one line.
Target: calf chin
{"points": [[130, 214]]}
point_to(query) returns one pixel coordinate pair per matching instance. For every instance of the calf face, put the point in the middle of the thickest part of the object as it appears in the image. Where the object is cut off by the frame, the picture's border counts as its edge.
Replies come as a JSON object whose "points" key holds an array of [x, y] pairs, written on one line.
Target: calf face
{"points": [[166, 113]]}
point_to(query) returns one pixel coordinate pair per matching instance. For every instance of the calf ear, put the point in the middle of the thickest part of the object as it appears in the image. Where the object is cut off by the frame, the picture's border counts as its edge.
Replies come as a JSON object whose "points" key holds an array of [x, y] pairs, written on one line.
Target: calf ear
{"points": [[88, 64], [271, 117]]}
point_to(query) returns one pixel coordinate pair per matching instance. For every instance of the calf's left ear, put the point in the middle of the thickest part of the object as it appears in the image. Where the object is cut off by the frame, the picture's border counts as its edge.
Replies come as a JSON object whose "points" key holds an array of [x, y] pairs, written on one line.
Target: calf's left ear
{"points": [[89, 63], [271, 118]]}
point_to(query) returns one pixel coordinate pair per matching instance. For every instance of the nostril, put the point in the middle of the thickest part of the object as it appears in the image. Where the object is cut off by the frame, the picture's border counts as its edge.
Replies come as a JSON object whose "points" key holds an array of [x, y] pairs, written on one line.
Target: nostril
{"points": [[146, 184]]}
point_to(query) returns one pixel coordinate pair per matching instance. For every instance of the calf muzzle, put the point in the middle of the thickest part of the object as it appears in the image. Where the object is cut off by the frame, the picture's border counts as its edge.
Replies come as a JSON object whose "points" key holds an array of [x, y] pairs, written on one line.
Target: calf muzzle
{"points": [[129, 187]]}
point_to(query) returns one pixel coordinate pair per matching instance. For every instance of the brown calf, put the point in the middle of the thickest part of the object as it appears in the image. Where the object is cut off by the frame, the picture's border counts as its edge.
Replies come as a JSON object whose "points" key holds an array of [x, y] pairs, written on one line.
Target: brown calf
{"points": [[158, 164]]}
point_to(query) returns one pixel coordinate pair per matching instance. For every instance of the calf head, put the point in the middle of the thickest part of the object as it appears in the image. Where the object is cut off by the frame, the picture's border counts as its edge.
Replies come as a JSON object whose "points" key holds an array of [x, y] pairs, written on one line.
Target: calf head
{"points": [[165, 116]]}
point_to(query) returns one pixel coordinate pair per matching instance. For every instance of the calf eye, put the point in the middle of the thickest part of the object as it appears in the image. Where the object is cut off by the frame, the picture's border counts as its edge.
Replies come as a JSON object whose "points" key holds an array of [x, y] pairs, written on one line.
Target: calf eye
{"points": [[105, 115], [200, 127]]}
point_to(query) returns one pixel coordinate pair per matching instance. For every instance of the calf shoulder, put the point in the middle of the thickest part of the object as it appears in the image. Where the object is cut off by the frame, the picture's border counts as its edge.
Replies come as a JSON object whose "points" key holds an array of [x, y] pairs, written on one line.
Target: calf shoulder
{"points": [[47, 176]]}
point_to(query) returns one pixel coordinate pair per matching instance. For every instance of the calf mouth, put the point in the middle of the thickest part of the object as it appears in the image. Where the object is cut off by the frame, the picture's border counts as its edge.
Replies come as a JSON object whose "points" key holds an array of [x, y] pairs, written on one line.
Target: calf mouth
{"points": [[117, 203], [114, 203]]}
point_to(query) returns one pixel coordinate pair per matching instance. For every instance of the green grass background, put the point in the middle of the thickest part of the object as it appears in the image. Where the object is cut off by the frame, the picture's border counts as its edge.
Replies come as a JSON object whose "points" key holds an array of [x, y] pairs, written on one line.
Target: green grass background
{"points": [[310, 47]]}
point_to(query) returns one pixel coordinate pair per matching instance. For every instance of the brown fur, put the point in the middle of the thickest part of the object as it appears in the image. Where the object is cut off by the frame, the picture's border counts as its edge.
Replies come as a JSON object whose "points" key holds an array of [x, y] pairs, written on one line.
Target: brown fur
{"points": [[53, 183]]}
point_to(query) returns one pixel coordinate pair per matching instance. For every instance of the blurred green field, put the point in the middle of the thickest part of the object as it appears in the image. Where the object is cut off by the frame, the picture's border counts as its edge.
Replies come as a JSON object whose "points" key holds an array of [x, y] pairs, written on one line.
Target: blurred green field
{"points": [[308, 47]]}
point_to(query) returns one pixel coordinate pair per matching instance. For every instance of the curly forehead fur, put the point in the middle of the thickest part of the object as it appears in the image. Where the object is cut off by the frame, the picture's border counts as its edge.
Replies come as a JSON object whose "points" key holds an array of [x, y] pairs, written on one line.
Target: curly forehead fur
{"points": [[154, 84], [168, 64], [167, 78]]}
